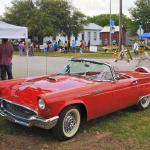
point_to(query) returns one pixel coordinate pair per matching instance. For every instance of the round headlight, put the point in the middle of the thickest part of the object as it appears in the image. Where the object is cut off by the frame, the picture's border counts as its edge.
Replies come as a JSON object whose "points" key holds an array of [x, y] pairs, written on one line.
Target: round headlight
{"points": [[41, 103]]}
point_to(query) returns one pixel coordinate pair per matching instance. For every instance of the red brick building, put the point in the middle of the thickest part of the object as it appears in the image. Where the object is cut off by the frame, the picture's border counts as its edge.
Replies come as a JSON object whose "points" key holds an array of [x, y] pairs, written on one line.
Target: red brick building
{"points": [[105, 35]]}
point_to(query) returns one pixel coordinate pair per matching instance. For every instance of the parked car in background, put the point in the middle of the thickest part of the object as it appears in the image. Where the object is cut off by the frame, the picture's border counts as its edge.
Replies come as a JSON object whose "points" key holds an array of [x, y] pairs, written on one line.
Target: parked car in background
{"points": [[83, 90]]}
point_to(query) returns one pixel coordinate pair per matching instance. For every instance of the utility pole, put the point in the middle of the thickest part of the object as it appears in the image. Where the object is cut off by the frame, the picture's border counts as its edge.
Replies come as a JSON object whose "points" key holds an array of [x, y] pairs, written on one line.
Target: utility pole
{"points": [[120, 25], [110, 26]]}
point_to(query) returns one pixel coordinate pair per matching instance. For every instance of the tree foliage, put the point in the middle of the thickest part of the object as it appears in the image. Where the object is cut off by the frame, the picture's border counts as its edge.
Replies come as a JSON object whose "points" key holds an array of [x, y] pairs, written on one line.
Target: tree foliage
{"points": [[141, 14], [104, 19], [45, 17]]}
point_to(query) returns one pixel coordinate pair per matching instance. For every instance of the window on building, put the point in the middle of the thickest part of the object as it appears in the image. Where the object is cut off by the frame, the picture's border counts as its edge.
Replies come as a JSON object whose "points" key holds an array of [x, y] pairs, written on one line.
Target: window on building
{"points": [[82, 36], [89, 36], [95, 36], [100, 37]]}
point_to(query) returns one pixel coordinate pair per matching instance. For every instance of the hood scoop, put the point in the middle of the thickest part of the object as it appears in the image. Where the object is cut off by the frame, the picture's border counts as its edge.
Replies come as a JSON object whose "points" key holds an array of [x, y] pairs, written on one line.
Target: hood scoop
{"points": [[52, 79]]}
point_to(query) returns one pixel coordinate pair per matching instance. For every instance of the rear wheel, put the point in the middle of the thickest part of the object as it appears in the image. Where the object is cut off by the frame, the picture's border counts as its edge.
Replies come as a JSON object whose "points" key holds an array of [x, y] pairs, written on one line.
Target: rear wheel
{"points": [[143, 103], [68, 123]]}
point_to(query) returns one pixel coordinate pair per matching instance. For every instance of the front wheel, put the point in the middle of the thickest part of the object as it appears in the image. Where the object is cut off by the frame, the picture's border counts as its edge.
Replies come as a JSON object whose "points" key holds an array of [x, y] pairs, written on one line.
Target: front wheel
{"points": [[143, 103], [68, 123]]}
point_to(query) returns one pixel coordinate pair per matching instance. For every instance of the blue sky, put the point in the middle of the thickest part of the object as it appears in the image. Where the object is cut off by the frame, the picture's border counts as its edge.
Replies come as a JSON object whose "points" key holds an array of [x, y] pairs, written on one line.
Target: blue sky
{"points": [[88, 7]]}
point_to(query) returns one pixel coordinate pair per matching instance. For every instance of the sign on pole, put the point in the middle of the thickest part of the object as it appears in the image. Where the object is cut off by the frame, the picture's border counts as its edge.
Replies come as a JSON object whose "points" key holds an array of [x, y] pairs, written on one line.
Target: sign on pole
{"points": [[140, 30]]}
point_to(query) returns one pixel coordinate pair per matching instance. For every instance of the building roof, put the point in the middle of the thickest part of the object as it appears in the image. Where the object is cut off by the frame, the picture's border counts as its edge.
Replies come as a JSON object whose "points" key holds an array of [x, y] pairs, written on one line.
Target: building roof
{"points": [[92, 26], [107, 29]]}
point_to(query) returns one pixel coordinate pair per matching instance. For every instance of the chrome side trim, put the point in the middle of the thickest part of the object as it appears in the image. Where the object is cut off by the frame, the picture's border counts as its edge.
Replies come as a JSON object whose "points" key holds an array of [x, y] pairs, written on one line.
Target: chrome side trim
{"points": [[18, 105]]}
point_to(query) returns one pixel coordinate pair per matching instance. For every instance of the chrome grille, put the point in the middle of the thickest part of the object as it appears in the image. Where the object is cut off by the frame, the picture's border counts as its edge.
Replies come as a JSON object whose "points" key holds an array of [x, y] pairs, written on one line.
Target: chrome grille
{"points": [[16, 110]]}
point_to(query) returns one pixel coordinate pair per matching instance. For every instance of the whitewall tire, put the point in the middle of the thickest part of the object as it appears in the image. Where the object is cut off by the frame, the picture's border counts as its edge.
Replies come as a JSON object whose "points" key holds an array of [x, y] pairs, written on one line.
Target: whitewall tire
{"points": [[68, 123], [143, 103]]}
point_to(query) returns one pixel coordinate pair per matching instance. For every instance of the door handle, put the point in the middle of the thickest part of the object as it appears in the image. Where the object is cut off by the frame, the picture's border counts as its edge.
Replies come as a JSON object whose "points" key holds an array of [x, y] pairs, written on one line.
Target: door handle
{"points": [[97, 92], [134, 82]]}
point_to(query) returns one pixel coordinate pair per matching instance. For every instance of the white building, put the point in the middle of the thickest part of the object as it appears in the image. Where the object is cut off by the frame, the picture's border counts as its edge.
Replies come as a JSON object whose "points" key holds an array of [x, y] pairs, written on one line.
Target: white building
{"points": [[91, 32]]}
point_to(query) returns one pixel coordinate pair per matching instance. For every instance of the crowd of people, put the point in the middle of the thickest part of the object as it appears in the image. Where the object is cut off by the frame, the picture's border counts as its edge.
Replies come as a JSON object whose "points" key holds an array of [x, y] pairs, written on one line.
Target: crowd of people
{"points": [[65, 47], [138, 47], [6, 51], [55, 46], [59, 46]]}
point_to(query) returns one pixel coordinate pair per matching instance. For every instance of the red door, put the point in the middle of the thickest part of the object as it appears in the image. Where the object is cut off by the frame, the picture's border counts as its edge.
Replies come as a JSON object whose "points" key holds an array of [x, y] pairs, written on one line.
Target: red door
{"points": [[100, 101], [107, 97], [126, 92]]}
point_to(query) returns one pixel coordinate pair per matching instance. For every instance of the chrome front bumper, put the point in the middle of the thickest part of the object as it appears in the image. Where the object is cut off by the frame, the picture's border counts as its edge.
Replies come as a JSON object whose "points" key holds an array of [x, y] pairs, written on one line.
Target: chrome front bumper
{"points": [[25, 116], [32, 121]]}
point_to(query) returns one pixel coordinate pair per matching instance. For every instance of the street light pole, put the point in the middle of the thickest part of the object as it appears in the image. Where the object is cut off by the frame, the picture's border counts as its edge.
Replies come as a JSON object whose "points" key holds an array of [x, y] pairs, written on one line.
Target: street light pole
{"points": [[110, 26], [120, 25]]}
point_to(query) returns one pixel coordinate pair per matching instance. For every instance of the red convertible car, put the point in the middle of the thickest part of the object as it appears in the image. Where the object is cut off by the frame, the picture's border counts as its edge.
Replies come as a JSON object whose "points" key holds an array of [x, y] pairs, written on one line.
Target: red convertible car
{"points": [[83, 90]]}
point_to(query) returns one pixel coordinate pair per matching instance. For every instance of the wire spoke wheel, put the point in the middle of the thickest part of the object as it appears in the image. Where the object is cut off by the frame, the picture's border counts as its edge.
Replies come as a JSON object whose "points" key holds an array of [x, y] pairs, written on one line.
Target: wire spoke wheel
{"points": [[145, 102], [71, 122]]}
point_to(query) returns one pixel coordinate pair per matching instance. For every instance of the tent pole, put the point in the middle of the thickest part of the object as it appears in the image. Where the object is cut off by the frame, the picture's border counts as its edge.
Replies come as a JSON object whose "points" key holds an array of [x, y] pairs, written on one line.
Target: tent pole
{"points": [[27, 55], [120, 25], [46, 64]]}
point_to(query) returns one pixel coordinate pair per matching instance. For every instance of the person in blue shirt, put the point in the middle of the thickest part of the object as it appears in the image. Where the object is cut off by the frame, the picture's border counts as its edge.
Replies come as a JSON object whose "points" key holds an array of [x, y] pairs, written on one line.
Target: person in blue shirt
{"points": [[74, 46], [55, 46]]}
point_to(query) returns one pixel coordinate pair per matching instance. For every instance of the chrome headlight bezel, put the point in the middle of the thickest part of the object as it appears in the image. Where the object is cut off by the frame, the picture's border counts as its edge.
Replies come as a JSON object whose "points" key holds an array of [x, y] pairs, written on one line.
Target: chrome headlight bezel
{"points": [[41, 104]]}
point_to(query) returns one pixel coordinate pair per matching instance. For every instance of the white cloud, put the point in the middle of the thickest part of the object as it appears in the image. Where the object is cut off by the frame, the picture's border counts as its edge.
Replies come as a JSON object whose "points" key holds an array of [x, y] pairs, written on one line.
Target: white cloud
{"points": [[3, 5], [88, 7], [95, 7]]}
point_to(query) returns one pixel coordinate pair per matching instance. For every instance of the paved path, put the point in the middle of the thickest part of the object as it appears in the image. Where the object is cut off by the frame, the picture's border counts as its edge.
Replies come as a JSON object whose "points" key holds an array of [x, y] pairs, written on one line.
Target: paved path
{"points": [[37, 65]]}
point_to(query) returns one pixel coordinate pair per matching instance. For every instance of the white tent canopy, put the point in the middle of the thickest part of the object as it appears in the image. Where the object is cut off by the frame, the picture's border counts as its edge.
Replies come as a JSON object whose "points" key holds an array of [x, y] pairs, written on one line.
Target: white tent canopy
{"points": [[10, 31]]}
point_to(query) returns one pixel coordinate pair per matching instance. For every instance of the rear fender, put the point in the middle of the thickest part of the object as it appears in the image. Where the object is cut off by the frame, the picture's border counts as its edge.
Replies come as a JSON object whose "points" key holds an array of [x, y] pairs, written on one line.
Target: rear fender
{"points": [[142, 69]]}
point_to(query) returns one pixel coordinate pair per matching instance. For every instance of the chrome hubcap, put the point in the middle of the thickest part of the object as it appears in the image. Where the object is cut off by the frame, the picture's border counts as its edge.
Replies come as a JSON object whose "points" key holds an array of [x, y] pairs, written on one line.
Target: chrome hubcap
{"points": [[145, 101], [70, 122]]}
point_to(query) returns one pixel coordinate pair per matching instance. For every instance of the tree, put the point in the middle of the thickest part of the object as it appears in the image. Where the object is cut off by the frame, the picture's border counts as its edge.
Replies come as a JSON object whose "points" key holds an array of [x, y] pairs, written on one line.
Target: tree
{"points": [[104, 19], [141, 14], [78, 20], [25, 13], [45, 17], [67, 19]]}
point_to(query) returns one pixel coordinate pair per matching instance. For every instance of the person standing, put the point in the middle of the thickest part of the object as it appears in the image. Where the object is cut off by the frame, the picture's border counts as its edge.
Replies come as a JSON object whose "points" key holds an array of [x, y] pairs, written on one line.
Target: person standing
{"points": [[45, 48], [136, 48], [23, 47], [82, 46], [31, 48], [65, 47], [20, 48], [74, 46], [89, 44], [6, 54], [55, 46], [60, 45]]}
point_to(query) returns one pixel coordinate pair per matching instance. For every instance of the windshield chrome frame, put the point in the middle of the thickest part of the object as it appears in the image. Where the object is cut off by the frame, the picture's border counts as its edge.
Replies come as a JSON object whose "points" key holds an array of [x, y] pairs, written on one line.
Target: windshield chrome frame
{"points": [[95, 62]]}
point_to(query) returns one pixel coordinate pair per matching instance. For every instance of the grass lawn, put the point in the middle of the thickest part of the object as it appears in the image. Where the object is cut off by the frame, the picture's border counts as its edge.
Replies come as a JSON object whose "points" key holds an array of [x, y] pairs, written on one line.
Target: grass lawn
{"points": [[129, 125], [86, 54], [70, 54]]}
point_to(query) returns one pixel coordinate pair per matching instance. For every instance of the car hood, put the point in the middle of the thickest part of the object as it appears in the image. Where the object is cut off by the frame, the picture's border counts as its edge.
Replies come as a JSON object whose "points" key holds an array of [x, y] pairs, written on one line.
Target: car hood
{"points": [[28, 90]]}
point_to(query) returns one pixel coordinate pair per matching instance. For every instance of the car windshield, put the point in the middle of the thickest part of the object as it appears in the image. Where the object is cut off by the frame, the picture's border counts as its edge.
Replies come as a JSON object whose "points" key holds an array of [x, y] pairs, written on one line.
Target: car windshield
{"points": [[88, 69]]}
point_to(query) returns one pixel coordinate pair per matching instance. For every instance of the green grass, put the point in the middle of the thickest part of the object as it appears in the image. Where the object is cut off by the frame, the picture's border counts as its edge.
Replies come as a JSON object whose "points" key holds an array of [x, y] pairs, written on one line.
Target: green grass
{"points": [[127, 125], [86, 54], [69, 54]]}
